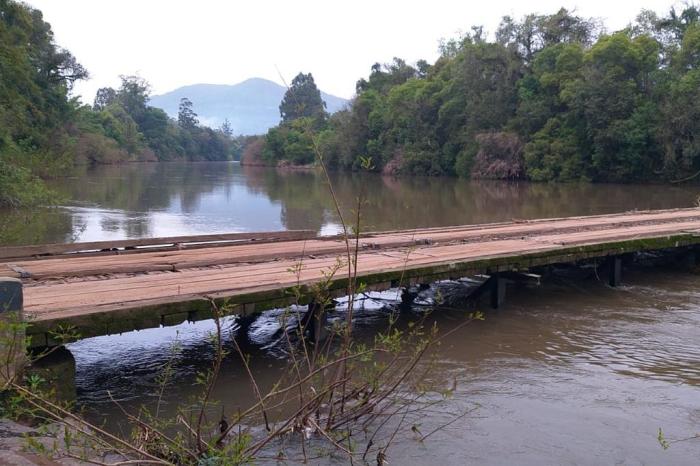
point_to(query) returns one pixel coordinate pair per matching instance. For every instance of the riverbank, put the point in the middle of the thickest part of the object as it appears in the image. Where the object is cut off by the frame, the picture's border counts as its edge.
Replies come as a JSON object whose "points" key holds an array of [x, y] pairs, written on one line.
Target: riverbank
{"points": [[15, 451], [284, 165]]}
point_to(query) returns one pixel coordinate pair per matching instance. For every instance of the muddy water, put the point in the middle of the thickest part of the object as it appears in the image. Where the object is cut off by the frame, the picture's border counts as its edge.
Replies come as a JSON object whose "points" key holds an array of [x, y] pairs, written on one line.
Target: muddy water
{"points": [[568, 372], [145, 200]]}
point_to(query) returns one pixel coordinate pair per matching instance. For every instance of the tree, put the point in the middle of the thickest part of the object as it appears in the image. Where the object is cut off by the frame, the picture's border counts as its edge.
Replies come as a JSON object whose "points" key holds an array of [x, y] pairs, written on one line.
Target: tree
{"points": [[36, 77], [161, 134], [186, 117], [133, 96], [615, 99], [500, 156], [290, 142], [422, 68], [303, 100], [537, 32], [226, 128], [554, 153], [477, 93], [44, 130], [105, 96], [384, 77]]}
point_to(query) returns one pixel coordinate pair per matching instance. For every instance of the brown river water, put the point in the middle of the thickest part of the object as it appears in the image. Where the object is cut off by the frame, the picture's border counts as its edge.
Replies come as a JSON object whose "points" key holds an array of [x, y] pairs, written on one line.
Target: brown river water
{"points": [[568, 372]]}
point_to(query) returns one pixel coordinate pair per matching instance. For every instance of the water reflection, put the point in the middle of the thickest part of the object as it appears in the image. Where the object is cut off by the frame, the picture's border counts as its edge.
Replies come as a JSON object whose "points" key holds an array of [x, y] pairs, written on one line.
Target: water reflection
{"points": [[141, 200]]}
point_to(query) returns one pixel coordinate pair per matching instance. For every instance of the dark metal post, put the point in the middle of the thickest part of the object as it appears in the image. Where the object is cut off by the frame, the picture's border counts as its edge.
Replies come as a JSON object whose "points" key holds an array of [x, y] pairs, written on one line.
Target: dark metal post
{"points": [[615, 271], [11, 296], [498, 291]]}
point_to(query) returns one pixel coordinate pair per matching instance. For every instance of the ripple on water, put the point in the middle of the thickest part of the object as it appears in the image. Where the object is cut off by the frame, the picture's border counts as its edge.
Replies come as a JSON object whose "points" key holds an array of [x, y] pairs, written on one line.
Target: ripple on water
{"points": [[563, 374], [647, 332]]}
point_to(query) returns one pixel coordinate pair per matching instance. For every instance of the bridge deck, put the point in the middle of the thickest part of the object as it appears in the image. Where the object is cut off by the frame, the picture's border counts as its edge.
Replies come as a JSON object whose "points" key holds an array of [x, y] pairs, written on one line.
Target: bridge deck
{"points": [[101, 294]]}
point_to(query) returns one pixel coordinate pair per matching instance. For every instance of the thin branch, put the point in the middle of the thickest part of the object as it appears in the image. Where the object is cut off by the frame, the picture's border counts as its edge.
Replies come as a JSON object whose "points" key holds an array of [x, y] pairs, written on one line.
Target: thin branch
{"points": [[438, 429]]}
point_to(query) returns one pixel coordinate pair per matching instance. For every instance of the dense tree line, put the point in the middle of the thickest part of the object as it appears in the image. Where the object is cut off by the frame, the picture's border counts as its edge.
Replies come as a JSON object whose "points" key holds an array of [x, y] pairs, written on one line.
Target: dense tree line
{"points": [[43, 130], [303, 114], [121, 125], [551, 97]]}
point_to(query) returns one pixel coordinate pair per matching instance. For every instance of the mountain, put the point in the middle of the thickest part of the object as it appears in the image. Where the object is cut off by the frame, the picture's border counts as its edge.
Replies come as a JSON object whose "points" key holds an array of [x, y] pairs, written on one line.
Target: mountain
{"points": [[252, 106]]}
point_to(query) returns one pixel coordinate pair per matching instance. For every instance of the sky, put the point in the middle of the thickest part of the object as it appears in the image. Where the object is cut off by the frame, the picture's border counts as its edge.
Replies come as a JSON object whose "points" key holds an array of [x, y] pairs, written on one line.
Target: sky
{"points": [[172, 43]]}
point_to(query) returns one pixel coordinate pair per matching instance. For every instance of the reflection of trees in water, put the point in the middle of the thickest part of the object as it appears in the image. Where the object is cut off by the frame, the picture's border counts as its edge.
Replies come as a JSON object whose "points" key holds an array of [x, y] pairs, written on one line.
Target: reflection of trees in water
{"points": [[428, 201], [114, 187], [136, 189], [302, 194], [145, 186], [198, 179], [35, 226], [133, 191]]}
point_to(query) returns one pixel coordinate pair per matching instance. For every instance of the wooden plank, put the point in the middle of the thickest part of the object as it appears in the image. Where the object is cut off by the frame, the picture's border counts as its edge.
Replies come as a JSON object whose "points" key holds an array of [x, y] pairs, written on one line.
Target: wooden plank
{"points": [[202, 281], [180, 260], [11, 252], [635, 215], [429, 252]]}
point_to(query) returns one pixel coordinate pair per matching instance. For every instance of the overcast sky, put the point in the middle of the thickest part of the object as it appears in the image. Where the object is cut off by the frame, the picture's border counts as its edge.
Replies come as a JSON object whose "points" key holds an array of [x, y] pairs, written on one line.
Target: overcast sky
{"points": [[173, 43]]}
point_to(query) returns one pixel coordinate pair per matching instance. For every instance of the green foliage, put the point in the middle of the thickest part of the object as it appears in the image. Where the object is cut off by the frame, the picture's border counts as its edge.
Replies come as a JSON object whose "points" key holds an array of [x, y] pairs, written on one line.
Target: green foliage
{"points": [[302, 100], [554, 154], [186, 117], [44, 131], [35, 79], [585, 105], [303, 114], [18, 187], [290, 142], [147, 133]]}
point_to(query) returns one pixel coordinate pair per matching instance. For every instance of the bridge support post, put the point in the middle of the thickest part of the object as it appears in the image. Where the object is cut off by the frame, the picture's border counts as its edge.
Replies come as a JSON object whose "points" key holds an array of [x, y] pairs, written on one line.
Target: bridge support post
{"points": [[615, 272], [689, 258], [408, 295], [498, 291], [12, 331], [316, 319]]}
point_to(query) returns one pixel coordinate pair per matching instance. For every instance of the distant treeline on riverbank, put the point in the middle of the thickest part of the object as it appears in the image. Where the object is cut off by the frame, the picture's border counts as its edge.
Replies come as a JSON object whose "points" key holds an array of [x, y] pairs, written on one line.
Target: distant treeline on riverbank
{"points": [[551, 97], [43, 130]]}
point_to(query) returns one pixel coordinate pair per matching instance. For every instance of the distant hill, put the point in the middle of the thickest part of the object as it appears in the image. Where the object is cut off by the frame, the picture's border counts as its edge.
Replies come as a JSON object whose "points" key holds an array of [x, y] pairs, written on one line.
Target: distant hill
{"points": [[251, 106]]}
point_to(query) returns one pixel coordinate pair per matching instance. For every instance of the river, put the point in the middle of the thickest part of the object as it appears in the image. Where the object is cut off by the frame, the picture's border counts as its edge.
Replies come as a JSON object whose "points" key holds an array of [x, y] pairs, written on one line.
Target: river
{"points": [[568, 372], [168, 199]]}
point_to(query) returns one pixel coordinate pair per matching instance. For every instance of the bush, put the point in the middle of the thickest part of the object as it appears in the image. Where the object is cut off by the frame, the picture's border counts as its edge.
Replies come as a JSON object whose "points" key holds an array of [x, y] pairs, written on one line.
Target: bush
{"points": [[253, 152], [500, 156], [96, 148], [19, 188]]}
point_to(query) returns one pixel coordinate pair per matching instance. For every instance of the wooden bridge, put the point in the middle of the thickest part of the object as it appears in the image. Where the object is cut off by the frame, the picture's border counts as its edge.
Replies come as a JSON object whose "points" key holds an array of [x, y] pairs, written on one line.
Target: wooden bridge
{"points": [[111, 287]]}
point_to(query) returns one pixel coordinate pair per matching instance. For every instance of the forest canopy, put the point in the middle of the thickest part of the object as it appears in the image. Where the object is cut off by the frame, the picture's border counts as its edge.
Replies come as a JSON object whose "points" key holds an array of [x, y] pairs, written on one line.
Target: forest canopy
{"points": [[43, 130], [550, 97], [546, 97]]}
